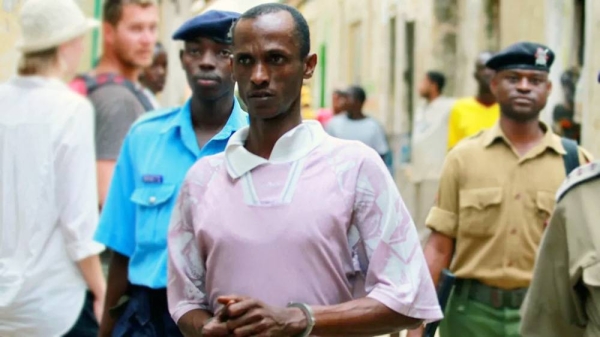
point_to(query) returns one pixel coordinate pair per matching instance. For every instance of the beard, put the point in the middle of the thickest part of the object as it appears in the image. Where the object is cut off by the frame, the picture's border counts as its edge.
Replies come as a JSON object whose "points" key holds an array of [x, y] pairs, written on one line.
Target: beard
{"points": [[124, 54]]}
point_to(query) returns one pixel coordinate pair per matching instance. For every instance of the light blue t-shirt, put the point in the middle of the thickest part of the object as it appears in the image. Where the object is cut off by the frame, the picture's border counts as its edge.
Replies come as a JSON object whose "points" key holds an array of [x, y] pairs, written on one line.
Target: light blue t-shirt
{"points": [[366, 130], [155, 157]]}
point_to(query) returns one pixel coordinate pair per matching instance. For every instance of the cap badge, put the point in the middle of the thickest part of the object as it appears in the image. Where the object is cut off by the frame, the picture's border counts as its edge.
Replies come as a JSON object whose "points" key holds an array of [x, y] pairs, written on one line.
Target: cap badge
{"points": [[541, 57], [230, 30]]}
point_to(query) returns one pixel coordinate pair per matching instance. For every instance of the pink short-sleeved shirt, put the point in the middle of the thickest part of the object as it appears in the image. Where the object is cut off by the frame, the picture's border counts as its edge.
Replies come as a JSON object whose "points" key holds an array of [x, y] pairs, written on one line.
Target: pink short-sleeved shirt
{"points": [[321, 222]]}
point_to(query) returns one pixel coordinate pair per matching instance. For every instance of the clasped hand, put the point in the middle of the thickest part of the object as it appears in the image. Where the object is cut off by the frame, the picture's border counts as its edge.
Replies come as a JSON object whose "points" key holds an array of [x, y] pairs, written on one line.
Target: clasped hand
{"points": [[243, 316]]}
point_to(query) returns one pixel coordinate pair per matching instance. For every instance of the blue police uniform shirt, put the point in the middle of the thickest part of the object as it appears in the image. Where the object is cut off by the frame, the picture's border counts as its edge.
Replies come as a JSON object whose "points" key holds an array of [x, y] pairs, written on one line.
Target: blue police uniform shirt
{"points": [[155, 157]]}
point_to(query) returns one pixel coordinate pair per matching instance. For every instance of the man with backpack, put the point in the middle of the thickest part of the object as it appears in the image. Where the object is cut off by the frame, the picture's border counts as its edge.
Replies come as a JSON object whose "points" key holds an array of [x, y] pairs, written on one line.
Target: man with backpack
{"points": [[129, 33]]}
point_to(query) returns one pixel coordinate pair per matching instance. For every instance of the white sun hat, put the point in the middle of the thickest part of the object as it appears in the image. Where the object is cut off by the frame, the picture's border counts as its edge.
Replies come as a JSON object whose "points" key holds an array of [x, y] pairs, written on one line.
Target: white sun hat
{"points": [[49, 23]]}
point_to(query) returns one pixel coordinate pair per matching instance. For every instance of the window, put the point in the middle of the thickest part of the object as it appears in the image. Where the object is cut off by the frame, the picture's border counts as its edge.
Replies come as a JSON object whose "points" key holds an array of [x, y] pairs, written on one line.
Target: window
{"points": [[409, 70], [579, 37], [492, 24]]}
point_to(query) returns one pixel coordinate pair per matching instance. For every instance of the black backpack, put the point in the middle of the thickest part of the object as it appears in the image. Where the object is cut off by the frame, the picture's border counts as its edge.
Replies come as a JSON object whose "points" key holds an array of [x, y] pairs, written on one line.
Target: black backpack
{"points": [[571, 158], [86, 84]]}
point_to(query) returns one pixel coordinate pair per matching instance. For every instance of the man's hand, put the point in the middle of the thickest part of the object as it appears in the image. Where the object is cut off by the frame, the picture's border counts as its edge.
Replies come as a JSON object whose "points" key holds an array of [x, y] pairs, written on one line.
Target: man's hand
{"points": [[245, 316], [215, 327]]}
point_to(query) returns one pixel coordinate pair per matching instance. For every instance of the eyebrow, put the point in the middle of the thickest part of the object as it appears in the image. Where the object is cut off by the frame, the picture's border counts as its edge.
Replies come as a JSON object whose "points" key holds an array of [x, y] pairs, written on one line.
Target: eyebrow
{"points": [[242, 54], [277, 51]]}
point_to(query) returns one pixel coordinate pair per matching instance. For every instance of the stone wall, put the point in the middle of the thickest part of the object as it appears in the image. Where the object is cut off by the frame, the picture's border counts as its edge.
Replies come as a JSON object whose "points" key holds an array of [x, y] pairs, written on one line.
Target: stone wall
{"points": [[449, 34]]}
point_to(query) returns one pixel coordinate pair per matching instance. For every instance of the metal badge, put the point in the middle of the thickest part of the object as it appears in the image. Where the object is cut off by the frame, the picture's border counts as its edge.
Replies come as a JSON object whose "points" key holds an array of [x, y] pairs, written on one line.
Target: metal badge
{"points": [[541, 57], [152, 178]]}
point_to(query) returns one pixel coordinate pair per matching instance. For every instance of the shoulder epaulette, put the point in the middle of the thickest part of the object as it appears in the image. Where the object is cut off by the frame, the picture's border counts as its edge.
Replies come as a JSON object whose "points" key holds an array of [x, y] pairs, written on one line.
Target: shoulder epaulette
{"points": [[578, 176]]}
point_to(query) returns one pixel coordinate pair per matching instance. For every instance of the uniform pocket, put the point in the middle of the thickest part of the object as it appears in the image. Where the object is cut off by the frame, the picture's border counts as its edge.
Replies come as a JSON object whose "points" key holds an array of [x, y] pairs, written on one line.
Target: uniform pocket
{"points": [[479, 211], [153, 215], [544, 202]]}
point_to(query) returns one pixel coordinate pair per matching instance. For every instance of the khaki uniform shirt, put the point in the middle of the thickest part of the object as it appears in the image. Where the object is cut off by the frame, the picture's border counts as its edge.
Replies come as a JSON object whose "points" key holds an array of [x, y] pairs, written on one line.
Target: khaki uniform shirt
{"points": [[564, 297], [495, 204]]}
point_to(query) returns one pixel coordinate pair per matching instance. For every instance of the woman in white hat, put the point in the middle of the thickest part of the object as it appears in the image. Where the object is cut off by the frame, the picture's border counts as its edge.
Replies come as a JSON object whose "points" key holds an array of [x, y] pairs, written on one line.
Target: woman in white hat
{"points": [[48, 199]]}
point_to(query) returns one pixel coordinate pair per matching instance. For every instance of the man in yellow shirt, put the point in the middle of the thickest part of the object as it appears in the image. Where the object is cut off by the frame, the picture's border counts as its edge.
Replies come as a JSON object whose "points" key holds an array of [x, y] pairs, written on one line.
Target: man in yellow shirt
{"points": [[472, 114]]}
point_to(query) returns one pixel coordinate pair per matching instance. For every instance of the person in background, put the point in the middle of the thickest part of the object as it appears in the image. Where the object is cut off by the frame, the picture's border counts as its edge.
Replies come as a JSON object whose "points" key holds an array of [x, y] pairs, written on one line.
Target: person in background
{"points": [[428, 148], [51, 281], [563, 114], [129, 31], [473, 114], [496, 195], [247, 232], [157, 152], [153, 78], [355, 125], [338, 105]]}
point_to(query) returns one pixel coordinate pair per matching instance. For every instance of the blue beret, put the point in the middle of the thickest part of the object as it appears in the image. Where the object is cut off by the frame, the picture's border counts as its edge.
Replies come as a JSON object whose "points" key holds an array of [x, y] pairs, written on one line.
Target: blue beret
{"points": [[523, 55], [212, 24]]}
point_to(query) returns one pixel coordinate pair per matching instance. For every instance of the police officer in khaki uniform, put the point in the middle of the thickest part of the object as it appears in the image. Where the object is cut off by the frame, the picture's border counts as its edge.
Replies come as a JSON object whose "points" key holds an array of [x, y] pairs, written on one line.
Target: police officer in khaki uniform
{"points": [[496, 194], [564, 296]]}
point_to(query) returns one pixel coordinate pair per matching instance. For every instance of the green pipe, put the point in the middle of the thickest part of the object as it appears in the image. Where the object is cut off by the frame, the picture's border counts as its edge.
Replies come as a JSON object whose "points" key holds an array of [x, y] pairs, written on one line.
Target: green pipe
{"points": [[96, 33], [322, 63]]}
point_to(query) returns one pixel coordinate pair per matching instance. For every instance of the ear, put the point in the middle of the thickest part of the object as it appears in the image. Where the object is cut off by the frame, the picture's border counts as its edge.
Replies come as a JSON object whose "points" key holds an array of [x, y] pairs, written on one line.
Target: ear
{"points": [[181, 58], [494, 83], [549, 84], [231, 65], [108, 31], [309, 65]]}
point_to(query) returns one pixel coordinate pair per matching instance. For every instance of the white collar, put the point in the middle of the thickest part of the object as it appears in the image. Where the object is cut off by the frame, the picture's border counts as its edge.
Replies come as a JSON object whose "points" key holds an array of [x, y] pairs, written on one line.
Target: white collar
{"points": [[293, 145]]}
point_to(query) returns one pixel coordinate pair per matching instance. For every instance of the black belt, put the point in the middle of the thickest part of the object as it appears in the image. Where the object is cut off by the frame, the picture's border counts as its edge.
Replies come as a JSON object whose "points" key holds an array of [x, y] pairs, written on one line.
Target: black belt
{"points": [[494, 297]]}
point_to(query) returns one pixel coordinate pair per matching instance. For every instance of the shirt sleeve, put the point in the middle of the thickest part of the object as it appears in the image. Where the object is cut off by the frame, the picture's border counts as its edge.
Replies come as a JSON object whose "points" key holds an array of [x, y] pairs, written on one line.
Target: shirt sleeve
{"points": [[443, 217], [454, 134], [76, 184], [544, 315], [396, 272], [186, 269], [116, 110], [117, 221]]}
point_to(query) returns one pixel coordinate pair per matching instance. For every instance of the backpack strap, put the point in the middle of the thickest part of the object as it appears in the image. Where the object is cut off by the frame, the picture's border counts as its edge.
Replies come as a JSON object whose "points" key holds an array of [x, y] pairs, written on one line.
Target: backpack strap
{"points": [[139, 94], [571, 158], [86, 84]]}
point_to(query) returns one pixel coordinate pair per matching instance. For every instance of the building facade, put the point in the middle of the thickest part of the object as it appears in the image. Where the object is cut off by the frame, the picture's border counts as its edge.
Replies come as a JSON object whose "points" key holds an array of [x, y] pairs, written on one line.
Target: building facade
{"points": [[387, 46]]}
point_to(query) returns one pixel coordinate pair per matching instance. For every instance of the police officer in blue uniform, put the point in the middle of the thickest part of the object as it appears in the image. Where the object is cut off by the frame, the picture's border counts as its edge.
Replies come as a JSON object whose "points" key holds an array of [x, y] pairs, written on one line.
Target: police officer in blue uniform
{"points": [[156, 154]]}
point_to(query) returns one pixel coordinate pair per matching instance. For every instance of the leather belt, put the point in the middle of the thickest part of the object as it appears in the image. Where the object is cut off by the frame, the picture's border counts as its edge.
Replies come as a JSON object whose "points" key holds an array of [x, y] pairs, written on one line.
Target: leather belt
{"points": [[495, 297]]}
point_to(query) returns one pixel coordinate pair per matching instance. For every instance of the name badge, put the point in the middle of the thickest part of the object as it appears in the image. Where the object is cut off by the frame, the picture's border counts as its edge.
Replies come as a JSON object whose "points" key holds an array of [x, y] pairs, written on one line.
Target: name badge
{"points": [[152, 178]]}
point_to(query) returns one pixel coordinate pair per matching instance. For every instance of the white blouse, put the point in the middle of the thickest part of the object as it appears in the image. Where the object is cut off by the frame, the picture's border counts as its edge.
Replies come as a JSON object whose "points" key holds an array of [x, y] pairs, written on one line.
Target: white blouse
{"points": [[48, 205]]}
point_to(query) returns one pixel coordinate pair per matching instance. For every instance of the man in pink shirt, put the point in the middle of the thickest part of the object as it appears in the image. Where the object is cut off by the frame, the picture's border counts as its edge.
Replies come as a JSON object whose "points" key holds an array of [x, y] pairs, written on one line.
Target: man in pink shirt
{"points": [[291, 232]]}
